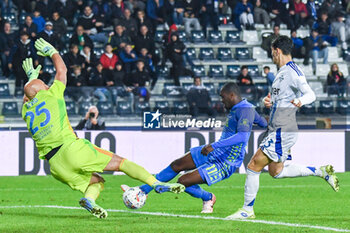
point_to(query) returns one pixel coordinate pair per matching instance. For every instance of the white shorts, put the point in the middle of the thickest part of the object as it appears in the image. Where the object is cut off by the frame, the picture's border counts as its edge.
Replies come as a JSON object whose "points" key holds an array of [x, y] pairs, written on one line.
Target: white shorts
{"points": [[277, 145]]}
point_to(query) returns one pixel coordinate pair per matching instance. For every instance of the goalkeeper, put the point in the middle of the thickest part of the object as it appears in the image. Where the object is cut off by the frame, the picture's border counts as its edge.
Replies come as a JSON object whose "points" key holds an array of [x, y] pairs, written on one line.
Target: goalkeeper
{"points": [[73, 161]]}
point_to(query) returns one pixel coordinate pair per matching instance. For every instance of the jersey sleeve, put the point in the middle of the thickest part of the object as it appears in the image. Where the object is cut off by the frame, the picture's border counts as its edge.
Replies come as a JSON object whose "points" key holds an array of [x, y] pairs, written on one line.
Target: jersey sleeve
{"points": [[308, 96], [57, 89], [244, 126]]}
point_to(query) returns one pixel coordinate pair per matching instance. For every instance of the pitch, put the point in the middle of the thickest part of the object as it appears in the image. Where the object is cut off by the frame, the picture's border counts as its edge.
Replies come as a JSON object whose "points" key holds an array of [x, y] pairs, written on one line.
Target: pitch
{"points": [[293, 205]]}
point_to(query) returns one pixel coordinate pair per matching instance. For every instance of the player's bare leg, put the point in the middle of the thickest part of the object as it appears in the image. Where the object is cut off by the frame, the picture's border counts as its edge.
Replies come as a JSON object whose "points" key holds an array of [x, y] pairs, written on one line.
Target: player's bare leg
{"points": [[137, 172], [190, 181], [91, 194]]}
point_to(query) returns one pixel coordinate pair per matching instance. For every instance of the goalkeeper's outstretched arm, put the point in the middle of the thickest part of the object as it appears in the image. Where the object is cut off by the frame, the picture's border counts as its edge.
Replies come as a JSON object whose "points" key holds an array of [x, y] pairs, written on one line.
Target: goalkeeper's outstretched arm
{"points": [[46, 49]]}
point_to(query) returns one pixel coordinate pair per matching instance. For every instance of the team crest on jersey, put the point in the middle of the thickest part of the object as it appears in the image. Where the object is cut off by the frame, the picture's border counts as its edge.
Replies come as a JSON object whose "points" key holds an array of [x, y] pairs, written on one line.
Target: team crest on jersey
{"points": [[245, 122]]}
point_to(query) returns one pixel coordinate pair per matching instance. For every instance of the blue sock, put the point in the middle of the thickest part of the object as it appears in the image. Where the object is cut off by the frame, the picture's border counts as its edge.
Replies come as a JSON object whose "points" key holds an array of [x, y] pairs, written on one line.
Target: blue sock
{"points": [[198, 192], [165, 175]]}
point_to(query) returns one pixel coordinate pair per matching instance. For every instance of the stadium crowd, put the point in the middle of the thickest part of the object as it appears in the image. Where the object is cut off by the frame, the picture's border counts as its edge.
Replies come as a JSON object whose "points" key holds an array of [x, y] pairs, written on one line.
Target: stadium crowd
{"points": [[126, 30]]}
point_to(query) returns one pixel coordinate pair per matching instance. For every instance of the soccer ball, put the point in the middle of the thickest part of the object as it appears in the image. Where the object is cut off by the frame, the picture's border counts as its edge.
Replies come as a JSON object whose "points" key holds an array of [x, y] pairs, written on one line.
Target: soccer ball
{"points": [[134, 198]]}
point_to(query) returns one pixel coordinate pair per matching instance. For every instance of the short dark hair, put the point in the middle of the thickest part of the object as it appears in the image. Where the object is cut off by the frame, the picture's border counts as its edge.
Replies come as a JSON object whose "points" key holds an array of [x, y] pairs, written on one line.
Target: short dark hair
{"points": [[266, 67], [231, 87], [283, 43], [196, 77], [244, 67]]}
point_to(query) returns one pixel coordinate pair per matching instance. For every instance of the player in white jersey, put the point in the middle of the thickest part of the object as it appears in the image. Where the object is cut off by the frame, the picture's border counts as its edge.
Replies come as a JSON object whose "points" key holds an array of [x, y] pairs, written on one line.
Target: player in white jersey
{"points": [[289, 92]]}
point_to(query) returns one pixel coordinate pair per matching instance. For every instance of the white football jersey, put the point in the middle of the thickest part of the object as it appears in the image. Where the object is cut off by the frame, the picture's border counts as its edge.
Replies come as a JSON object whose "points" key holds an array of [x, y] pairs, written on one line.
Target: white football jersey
{"points": [[289, 84]]}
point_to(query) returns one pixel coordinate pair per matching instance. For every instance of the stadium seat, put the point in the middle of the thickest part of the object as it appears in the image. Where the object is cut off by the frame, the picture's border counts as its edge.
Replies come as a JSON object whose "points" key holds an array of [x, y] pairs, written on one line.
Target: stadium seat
{"points": [[233, 37], [260, 55], [171, 90], [346, 55], [308, 109], [218, 106], [11, 18], [191, 53], [253, 71], [157, 52], [326, 107], [162, 71], [158, 37], [251, 37], [49, 69], [186, 86], [307, 70], [215, 37], [142, 106], [10, 109], [317, 87], [4, 90], [344, 69], [322, 69], [68, 36], [124, 108], [224, 18], [257, 105], [99, 51], [242, 54], [22, 18], [343, 107], [210, 88], [105, 108], [198, 36], [199, 70], [233, 71], [224, 54], [63, 51], [163, 107], [219, 87], [261, 89], [206, 54], [84, 107], [70, 106], [333, 55], [183, 36], [180, 107], [216, 71]]}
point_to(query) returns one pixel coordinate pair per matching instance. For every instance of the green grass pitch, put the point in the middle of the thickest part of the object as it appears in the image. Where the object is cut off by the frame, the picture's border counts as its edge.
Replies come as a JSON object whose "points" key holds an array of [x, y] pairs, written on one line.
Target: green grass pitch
{"points": [[304, 201]]}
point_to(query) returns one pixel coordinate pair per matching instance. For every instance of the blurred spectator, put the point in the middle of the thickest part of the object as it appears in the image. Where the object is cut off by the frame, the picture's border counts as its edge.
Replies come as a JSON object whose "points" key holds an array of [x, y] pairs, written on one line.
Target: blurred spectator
{"points": [[191, 15], [142, 19], [140, 80], [117, 11], [118, 78], [156, 13], [23, 5], [7, 41], [91, 59], [244, 15], [199, 99], [80, 38], [44, 7], [50, 36], [318, 48], [209, 14], [299, 14], [267, 41], [270, 77], [92, 25], [135, 5], [91, 121], [175, 51], [39, 21], [59, 24], [21, 50], [336, 83], [129, 57], [332, 7], [281, 12], [245, 81], [73, 59], [108, 59], [77, 79], [6, 6], [129, 23], [341, 31], [98, 79], [118, 39], [166, 39], [300, 50], [173, 12], [144, 40], [323, 26], [67, 9], [311, 12], [260, 13], [102, 9], [29, 27], [146, 57]]}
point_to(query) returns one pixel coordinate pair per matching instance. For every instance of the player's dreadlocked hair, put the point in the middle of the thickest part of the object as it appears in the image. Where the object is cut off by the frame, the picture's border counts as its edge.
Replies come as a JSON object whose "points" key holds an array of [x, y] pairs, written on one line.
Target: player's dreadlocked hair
{"points": [[284, 43], [231, 87]]}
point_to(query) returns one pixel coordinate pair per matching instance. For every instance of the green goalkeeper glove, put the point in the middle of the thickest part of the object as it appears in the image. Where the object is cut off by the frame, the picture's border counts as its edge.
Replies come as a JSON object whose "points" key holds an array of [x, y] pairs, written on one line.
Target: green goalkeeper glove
{"points": [[28, 68], [44, 48]]}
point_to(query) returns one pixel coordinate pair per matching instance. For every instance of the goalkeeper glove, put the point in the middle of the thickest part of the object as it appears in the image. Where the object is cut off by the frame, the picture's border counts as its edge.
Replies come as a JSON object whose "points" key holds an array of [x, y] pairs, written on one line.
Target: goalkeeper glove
{"points": [[44, 48], [28, 68]]}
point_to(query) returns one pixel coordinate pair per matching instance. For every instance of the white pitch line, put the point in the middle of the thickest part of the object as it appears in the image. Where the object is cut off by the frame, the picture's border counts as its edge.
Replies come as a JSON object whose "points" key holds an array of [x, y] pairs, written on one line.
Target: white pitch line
{"points": [[188, 216]]}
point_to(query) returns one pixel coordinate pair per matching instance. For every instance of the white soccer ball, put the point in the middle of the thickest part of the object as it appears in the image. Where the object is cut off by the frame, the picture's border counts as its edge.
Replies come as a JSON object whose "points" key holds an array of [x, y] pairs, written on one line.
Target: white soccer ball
{"points": [[134, 198]]}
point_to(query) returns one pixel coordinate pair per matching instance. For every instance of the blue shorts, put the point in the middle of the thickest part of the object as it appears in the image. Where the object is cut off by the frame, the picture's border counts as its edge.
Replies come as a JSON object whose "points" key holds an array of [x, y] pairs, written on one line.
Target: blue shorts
{"points": [[210, 169]]}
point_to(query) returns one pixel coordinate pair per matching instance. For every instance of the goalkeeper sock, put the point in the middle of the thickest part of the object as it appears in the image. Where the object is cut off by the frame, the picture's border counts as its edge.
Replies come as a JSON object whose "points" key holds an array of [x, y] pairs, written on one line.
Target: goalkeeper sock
{"points": [[165, 175], [137, 172], [250, 189], [93, 191], [198, 192], [295, 170]]}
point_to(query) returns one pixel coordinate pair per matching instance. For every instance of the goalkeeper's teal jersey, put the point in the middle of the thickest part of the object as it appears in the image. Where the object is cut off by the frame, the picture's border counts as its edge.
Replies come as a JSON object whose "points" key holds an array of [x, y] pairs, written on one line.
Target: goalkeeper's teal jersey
{"points": [[47, 120]]}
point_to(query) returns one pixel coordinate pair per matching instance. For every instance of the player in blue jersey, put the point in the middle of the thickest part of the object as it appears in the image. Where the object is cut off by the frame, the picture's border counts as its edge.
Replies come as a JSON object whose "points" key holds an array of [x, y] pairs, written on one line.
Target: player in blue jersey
{"points": [[217, 161]]}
